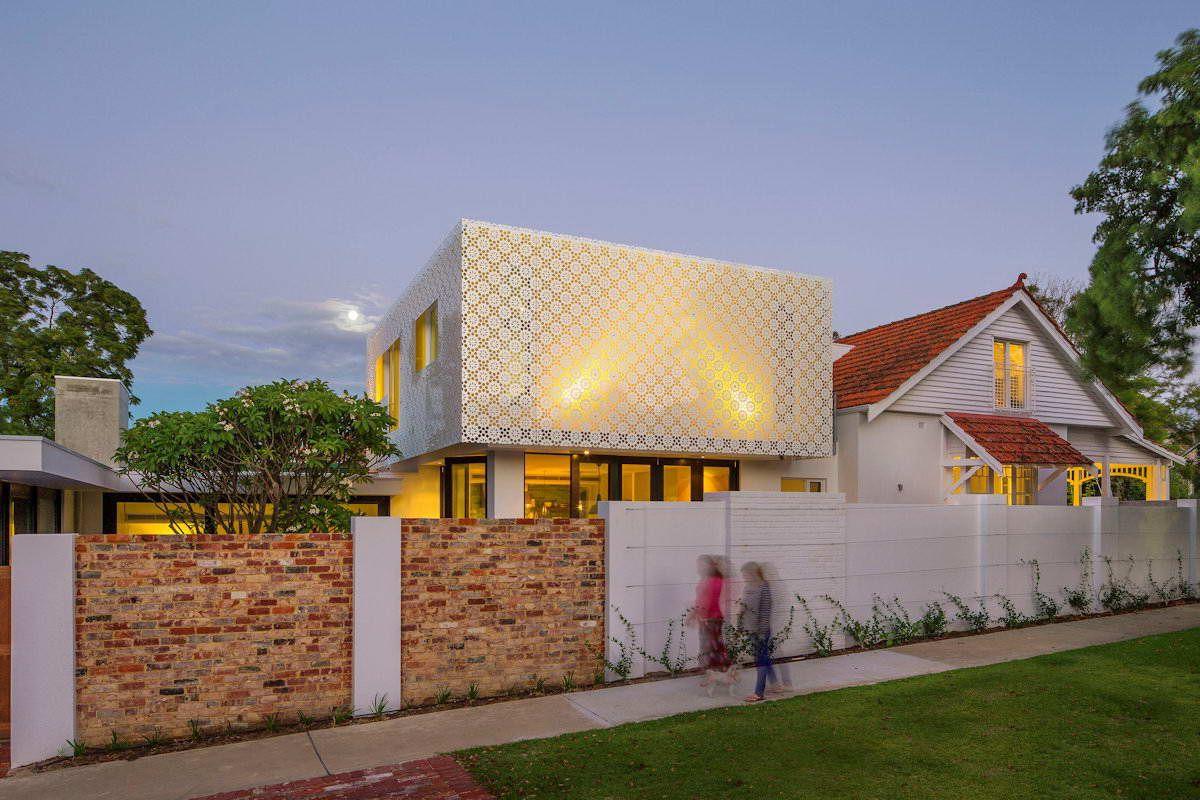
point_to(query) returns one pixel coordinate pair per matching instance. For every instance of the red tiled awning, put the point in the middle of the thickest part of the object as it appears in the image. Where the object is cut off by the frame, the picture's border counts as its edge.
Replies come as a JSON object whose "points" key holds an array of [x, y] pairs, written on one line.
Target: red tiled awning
{"points": [[1019, 440]]}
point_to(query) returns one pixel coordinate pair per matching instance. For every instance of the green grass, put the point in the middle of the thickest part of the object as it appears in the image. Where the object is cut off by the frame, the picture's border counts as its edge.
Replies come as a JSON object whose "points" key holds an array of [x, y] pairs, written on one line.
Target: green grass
{"points": [[1120, 720]]}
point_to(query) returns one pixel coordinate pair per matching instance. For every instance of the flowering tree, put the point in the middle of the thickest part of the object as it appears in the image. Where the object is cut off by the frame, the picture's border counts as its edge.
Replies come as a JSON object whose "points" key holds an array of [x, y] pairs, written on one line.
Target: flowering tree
{"points": [[278, 457]]}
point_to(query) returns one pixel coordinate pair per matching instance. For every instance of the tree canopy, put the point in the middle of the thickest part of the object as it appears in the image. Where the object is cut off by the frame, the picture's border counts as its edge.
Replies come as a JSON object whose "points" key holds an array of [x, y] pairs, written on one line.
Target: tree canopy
{"points": [[1135, 318], [279, 457], [57, 322]]}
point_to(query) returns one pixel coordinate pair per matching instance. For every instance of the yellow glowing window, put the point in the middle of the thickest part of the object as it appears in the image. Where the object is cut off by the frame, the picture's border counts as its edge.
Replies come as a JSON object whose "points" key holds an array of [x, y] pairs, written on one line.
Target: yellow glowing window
{"points": [[801, 485], [716, 479], [425, 338], [140, 518], [1011, 378], [387, 382], [635, 482], [547, 486], [677, 482]]}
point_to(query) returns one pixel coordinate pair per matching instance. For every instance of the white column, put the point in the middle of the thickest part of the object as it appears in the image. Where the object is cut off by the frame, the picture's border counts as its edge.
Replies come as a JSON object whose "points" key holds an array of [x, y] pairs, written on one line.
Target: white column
{"points": [[505, 484], [1105, 478], [43, 645], [1106, 524], [1189, 507], [377, 615]]}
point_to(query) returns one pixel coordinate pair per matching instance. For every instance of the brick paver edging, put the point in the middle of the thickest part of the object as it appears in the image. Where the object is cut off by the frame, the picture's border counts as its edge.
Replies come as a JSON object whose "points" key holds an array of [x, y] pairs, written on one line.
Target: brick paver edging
{"points": [[437, 778]]}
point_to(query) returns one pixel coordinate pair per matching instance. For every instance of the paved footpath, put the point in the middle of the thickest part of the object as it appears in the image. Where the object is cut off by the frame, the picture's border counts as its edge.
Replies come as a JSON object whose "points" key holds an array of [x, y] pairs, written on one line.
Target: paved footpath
{"points": [[330, 753]]}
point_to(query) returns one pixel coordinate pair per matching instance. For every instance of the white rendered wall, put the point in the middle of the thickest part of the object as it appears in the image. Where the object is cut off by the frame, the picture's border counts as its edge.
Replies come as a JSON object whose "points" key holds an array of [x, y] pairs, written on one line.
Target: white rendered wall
{"points": [[899, 459], [506, 484], [815, 545], [377, 614], [43, 646]]}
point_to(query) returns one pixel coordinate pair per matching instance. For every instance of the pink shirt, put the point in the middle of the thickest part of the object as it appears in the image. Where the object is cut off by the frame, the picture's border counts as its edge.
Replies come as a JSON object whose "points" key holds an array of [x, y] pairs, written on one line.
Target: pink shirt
{"points": [[708, 597]]}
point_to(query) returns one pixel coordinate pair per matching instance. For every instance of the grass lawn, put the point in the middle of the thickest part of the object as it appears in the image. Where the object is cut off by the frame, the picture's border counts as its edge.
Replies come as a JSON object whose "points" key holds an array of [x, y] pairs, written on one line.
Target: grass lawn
{"points": [[1119, 720]]}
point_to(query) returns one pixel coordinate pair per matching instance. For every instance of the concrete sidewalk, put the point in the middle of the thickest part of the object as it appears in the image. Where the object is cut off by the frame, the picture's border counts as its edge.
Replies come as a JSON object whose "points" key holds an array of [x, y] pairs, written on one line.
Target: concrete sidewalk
{"points": [[196, 773]]}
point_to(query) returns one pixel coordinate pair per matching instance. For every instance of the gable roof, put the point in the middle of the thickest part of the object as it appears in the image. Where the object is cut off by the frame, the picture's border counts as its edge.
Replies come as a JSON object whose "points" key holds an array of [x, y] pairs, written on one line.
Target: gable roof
{"points": [[886, 356], [1019, 440]]}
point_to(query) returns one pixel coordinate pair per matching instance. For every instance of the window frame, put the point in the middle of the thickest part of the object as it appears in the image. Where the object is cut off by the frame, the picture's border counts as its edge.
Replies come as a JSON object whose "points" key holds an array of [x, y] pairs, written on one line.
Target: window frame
{"points": [[1006, 367], [448, 483]]}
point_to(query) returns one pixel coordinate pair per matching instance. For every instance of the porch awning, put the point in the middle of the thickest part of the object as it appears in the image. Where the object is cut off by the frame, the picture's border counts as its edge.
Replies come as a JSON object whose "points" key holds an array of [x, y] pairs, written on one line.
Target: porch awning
{"points": [[1014, 440]]}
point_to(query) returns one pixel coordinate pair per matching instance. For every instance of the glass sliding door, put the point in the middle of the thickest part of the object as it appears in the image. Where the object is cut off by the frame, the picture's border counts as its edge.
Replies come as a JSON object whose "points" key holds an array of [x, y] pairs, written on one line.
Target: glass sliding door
{"points": [[464, 488], [547, 486], [635, 481], [677, 482], [717, 479], [594, 486]]}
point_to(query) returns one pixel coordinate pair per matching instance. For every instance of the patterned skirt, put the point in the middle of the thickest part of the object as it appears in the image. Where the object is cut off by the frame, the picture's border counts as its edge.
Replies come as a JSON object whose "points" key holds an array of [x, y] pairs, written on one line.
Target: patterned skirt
{"points": [[713, 654]]}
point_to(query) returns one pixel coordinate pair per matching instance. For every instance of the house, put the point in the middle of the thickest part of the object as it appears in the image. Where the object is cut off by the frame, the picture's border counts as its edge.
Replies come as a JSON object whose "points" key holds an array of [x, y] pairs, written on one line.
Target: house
{"points": [[985, 396], [533, 374]]}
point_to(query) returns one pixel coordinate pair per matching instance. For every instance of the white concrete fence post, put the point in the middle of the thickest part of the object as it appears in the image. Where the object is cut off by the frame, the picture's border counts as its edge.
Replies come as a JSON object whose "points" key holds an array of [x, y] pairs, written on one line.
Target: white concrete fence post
{"points": [[1106, 523], [43, 646], [1189, 507], [377, 613]]}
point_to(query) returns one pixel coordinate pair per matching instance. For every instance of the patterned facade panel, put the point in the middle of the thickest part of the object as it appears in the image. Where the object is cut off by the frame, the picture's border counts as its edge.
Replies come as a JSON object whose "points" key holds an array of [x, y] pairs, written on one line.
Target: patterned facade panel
{"points": [[430, 400], [568, 342]]}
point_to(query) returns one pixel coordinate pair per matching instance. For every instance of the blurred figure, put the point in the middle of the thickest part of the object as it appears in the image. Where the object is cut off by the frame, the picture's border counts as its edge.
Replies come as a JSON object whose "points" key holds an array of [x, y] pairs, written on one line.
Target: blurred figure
{"points": [[709, 617], [756, 620]]}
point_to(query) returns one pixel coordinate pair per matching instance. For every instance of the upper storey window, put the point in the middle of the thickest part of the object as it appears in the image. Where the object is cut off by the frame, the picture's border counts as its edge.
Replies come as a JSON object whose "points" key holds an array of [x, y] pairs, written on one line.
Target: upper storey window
{"points": [[1011, 374], [425, 338], [387, 382]]}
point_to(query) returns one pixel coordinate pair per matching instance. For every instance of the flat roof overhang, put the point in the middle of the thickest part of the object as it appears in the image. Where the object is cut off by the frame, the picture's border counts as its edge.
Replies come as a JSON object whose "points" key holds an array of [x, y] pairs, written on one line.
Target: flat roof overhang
{"points": [[37, 461]]}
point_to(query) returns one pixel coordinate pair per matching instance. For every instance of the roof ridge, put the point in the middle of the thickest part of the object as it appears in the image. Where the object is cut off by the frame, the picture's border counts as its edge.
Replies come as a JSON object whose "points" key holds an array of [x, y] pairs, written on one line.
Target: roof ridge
{"points": [[1018, 284]]}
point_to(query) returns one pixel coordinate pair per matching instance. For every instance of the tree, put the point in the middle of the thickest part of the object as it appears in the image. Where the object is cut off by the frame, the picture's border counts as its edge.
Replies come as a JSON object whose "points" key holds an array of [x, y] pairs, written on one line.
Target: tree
{"points": [[57, 322], [1055, 294], [1144, 295], [278, 457]]}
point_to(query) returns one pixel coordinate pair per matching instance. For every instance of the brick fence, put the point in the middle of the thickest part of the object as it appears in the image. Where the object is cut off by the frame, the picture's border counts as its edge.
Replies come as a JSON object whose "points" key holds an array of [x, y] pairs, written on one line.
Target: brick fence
{"points": [[217, 629], [227, 630], [500, 604]]}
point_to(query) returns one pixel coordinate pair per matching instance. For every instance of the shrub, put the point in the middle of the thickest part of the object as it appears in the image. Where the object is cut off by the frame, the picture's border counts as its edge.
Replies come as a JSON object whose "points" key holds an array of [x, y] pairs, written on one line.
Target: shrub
{"points": [[1011, 617], [933, 620], [975, 620], [1121, 595], [627, 647], [821, 635], [1044, 606], [673, 657], [1079, 597]]}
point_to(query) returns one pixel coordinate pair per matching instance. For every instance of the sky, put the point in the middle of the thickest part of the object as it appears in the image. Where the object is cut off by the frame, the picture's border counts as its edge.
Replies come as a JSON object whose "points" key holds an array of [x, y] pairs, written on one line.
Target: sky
{"points": [[254, 172]]}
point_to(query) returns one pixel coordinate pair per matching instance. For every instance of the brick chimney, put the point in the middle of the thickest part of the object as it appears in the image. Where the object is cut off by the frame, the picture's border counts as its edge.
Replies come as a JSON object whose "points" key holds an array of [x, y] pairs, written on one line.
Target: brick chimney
{"points": [[89, 415]]}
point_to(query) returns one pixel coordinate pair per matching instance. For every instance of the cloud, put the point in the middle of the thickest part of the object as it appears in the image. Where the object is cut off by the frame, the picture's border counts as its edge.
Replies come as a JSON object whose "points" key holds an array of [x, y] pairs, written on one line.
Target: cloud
{"points": [[279, 339]]}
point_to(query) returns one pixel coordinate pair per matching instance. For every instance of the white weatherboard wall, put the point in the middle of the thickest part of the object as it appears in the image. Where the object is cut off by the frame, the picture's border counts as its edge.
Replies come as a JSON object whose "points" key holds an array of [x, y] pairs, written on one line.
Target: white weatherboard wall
{"points": [[815, 545], [377, 615], [43, 646]]}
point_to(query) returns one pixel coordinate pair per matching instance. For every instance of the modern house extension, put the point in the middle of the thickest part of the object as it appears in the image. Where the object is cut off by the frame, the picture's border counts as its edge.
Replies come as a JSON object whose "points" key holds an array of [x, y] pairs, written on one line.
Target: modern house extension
{"points": [[533, 374], [985, 396]]}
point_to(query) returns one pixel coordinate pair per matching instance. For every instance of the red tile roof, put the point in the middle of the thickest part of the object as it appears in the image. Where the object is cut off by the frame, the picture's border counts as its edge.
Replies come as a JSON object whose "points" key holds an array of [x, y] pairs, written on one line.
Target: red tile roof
{"points": [[1019, 440], [886, 356]]}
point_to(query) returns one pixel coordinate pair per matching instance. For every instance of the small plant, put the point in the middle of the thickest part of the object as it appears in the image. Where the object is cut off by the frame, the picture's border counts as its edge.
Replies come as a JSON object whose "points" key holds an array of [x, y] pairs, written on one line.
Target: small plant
{"points": [[568, 682], [271, 721], [155, 738], [442, 697], [1011, 617], [673, 657], [539, 684], [116, 744], [1044, 606], [933, 621], [341, 714], [1120, 595], [894, 623], [1079, 597], [821, 635], [77, 747], [866, 634], [472, 692], [626, 649], [975, 620], [379, 705], [1164, 592], [598, 677], [195, 728], [305, 720], [1186, 590]]}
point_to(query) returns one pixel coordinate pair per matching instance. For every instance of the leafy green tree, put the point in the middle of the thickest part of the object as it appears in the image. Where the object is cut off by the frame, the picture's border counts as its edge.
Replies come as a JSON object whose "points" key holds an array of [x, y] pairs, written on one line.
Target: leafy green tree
{"points": [[279, 457], [1135, 317], [57, 322]]}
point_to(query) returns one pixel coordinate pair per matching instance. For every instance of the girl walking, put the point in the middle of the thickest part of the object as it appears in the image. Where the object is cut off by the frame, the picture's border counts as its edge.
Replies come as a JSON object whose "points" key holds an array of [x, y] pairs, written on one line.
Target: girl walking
{"points": [[710, 619], [756, 619]]}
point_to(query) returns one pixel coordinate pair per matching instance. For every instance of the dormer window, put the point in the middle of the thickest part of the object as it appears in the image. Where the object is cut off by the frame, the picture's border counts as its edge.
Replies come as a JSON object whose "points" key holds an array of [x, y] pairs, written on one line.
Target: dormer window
{"points": [[1011, 374]]}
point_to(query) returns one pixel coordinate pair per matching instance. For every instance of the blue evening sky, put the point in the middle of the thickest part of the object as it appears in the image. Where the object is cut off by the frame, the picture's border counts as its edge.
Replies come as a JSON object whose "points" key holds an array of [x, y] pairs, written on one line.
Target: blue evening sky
{"points": [[251, 171]]}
